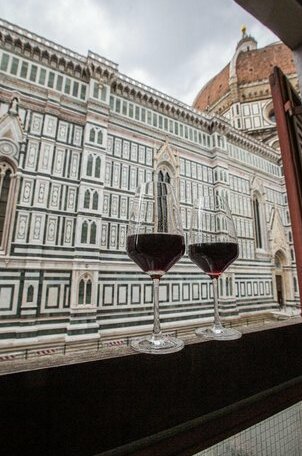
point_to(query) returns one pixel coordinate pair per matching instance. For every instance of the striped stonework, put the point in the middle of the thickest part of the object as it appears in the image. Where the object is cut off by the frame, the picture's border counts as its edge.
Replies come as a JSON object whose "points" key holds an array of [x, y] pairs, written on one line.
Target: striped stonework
{"points": [[79, 137]]}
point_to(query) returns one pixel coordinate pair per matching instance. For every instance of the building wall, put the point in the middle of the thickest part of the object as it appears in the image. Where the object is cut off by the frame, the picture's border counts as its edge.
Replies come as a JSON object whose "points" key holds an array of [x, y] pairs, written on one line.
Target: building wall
{"points": [[90, 136]]}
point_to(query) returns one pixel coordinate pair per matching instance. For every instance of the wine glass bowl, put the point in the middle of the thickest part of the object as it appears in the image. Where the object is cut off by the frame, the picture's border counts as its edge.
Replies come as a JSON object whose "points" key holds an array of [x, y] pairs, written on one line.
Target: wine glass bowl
{"points": [[213, 246], [155, 242]]}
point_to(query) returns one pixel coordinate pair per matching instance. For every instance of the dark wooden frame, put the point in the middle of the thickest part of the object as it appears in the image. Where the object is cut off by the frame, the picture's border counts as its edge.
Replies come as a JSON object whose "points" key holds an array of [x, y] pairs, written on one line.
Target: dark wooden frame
{"points": [[288, 112]]}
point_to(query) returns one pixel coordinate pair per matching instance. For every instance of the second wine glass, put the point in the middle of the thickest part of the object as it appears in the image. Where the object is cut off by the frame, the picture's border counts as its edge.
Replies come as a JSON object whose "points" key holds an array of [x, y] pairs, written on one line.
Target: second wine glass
{"points": [[213, 246], [155, 242]]}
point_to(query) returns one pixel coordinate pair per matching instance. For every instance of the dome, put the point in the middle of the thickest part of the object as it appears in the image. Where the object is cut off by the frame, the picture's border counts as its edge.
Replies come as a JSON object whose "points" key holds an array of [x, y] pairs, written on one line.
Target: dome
{"points": [[248, 67]]}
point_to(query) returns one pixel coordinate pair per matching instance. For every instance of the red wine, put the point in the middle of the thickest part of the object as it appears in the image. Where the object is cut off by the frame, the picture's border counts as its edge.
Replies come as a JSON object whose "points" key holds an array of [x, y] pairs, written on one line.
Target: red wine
{"points": [[155, 253], [213, 258]]}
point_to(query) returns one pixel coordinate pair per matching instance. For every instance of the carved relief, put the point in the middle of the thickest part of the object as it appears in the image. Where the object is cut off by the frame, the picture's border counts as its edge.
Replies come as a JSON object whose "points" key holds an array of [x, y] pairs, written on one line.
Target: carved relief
{"points": [[50, 126], [51, 230], [77, 136], [59, 161], [26, 195], [71, 199], [31, 156], [104, 234], [74, 165], [36, 124], [41, 193], [22, 227], [122, 237], [37, 228], [55, 196], [68, 232], [62, 131], [45, 157]]}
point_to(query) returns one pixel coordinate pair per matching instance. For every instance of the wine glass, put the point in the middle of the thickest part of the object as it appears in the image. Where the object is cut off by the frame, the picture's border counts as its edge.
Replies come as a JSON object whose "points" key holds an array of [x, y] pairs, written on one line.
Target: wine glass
{"points": [[213, 246], [155, 242]]}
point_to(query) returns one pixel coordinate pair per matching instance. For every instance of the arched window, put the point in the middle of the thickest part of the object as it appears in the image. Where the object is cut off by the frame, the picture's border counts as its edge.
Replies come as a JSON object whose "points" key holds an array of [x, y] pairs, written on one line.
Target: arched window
{"points": [[81, 291], [92, 135], [85, 291], [160, 176], [87, 199], [93, 233], [100, 137], [97, 172], [89, 165], [257, 223], [277, 262], [164, 176], [9, 185], [84, 232], [30, 294], [5, 180], [88, 291], [95, 201]]}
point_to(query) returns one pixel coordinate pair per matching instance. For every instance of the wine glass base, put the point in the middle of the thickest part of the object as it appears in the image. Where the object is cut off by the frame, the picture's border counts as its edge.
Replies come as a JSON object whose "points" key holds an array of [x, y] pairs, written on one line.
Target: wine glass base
{"points": [[157, 345], [218, 333]]}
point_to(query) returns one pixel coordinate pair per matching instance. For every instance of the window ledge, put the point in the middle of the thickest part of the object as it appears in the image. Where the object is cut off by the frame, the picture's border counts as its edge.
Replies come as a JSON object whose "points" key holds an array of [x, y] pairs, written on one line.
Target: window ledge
{"points": [[128, 403]]}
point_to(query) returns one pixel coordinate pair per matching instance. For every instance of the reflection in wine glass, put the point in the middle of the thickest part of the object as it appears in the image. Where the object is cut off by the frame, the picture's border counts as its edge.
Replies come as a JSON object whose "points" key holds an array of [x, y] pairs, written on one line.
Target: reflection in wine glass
{"points": [[155, 242], [213, 246]]}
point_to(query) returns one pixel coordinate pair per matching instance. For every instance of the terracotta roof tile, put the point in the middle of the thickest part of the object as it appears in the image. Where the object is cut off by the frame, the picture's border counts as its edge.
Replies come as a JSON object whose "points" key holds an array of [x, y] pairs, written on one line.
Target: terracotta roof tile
{"points": [[251, 66], [257, 65], [215, 89]]}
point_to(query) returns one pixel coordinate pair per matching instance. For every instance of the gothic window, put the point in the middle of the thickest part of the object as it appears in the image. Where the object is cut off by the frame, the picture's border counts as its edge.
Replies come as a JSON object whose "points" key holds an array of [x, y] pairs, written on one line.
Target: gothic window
{"points": [[100, 137], [277, 262], [89, 165], [81, 292], [92, 135], [5, 180], [163, 176], [95, 201], [30, 294], [93, 233], [97, 172], [85, 291], [257, 223], [8, 191], [87, 199], [88, 291], [84, 232]]}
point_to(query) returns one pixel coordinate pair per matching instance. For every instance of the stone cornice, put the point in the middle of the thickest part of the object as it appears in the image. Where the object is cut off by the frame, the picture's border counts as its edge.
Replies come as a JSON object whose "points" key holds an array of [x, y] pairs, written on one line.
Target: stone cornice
{"points": [[244, 140], [55, 56], [153, 99], [105, 71]]}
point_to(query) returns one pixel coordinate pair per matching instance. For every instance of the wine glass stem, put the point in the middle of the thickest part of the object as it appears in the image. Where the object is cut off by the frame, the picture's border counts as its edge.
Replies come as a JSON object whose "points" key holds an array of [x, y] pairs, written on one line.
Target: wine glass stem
{"points": [[217, 322], [156, 325]]}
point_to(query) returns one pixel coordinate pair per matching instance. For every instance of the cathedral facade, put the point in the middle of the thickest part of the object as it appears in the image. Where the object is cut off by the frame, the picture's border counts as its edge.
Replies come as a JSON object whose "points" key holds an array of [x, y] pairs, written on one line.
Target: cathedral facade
{"points": [[76, 139]]}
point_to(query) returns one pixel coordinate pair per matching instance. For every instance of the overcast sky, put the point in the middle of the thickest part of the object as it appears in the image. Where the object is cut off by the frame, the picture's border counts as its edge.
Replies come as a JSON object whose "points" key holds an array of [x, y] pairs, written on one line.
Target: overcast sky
{"points": [[175, 46]]}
